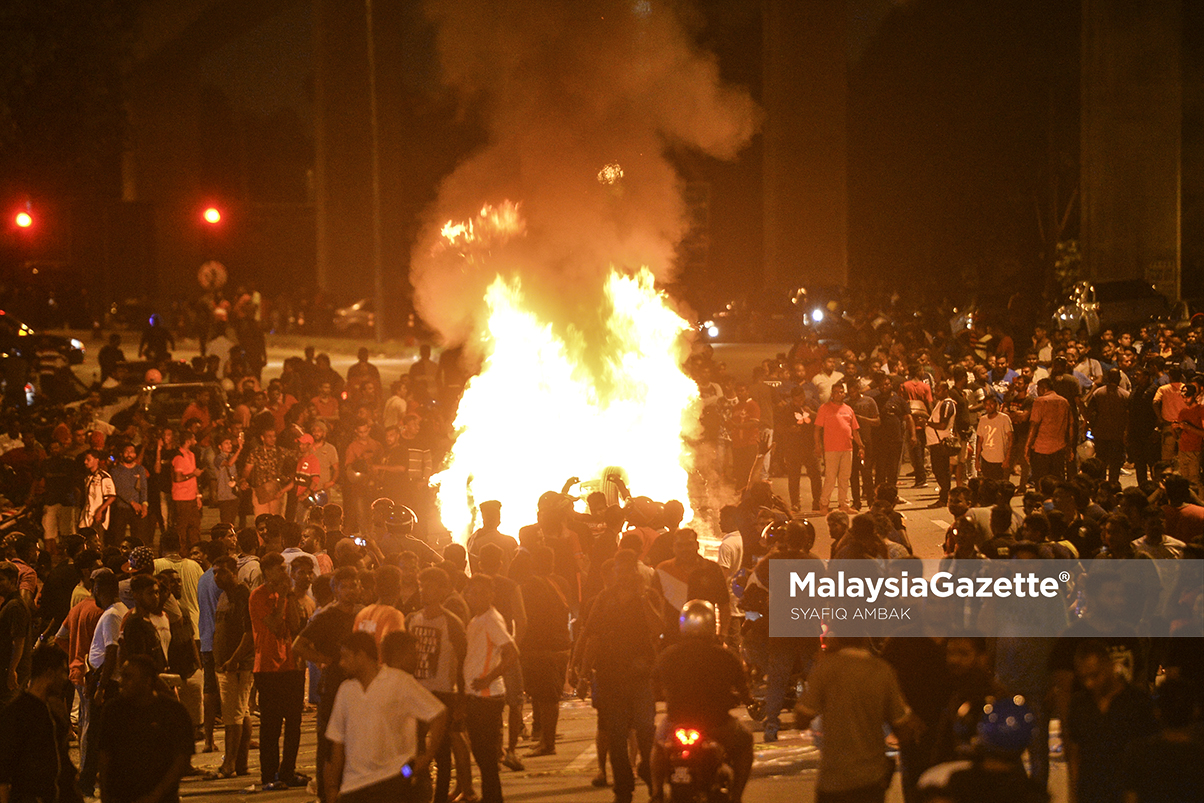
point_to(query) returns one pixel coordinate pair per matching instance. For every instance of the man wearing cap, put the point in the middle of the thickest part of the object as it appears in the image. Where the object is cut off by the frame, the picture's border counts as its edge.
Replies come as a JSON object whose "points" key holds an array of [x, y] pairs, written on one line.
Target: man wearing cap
{"points": [[310, 468], [99, 494], [141, 561]]}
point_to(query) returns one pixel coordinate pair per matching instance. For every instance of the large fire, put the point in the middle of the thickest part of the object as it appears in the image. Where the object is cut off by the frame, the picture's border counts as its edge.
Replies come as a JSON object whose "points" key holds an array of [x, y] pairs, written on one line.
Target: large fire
{"points": [[540, 411]]}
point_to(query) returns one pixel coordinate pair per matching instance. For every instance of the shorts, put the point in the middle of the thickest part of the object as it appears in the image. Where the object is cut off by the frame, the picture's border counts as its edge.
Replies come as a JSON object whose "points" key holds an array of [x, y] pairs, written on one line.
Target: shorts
{"points": [[210, 673], [235, 689], [514, 684]]}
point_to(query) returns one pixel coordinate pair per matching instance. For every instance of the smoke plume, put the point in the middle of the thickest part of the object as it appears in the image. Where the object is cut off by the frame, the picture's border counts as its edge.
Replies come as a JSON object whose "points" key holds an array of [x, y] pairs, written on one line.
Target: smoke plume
{"points": [[568, 87]]}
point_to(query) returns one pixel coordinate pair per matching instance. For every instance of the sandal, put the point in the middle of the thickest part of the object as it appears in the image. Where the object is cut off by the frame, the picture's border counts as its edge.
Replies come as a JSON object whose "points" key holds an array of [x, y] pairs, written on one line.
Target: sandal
{"points": [[218, 775]]}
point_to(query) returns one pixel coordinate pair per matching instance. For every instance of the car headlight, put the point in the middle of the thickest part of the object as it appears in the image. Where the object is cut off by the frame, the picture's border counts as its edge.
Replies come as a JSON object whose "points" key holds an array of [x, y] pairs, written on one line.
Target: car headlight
{"points": [[817, 315], [712, 329], [77, 344]]}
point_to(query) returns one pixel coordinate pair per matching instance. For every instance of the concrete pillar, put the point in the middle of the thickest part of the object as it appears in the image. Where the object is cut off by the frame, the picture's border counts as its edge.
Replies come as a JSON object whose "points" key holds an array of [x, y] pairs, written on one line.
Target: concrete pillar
{"points": [[1131, 130], [805, 143]]}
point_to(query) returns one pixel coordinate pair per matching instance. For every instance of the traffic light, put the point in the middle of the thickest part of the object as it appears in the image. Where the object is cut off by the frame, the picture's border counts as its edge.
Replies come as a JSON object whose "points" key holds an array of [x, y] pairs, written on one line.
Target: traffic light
{"points": [[23, 220], [212, 215]]}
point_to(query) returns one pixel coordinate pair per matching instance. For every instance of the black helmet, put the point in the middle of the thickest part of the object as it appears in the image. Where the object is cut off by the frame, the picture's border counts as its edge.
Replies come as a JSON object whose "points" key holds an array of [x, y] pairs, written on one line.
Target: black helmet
{"points": [[698, 619], [401, 520], [381, 508]]}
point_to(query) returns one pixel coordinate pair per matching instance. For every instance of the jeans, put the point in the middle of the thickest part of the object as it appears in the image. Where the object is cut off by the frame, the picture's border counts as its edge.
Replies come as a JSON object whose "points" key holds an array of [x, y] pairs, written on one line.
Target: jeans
{"points": [[796, 460], [783, 655], [993, 471], [122, 518], [188, 522], [1053, 465], [1143, 451], [941, 455], [917, 458], [357, 503], [483, 718], [626, 703], [837, 467], [443, 752], [861, 478], [1112, 454], [281, 697], [886, 463]]}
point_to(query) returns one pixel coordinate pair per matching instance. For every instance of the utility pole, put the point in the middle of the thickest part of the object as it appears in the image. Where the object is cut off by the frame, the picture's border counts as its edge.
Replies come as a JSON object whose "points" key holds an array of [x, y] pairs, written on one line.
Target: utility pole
{"points": [[378, 278]]}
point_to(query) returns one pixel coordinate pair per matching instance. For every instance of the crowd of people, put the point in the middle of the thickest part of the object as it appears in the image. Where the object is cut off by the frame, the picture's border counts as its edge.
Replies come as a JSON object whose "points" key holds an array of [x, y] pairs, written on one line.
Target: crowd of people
{"points": [[130, 627]]}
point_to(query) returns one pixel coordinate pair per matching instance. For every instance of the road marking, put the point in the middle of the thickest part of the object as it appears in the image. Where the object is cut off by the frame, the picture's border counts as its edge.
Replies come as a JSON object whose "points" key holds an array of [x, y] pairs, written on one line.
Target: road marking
{"points": [[584, 760], [940, 523]]}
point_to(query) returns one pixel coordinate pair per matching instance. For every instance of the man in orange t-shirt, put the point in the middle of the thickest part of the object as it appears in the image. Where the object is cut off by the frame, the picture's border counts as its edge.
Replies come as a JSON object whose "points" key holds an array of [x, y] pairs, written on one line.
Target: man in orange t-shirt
{"points": [[383, 618]]}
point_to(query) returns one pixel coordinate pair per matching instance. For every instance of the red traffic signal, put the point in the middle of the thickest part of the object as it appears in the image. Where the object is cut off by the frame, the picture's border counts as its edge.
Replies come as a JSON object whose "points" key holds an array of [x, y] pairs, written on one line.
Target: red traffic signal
{"points": [[212, 215]]}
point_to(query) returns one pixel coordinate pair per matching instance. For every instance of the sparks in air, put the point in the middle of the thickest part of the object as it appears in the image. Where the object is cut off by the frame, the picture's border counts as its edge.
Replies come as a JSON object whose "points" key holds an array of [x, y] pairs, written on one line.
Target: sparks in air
{"points": [[491, 223], [610, 174]]}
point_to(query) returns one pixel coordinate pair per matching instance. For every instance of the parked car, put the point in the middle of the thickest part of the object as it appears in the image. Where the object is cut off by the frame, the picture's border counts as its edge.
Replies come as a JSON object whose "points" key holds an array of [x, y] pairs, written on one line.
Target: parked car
{"points": [[166, 402], [356, 320], [1186, 314], [762, 318], [17, 336], [1094, 306]]}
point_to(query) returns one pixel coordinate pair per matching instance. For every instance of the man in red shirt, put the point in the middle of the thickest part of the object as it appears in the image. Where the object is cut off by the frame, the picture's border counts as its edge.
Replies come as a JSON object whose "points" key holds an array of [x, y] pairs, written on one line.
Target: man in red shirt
{"points": [[184, 498], [836, 436], [275, 610]]}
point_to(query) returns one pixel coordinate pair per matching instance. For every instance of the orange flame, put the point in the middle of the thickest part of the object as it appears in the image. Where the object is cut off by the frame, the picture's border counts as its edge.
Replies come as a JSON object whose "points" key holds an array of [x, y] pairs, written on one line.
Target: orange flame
{"points": [[536, 414]]}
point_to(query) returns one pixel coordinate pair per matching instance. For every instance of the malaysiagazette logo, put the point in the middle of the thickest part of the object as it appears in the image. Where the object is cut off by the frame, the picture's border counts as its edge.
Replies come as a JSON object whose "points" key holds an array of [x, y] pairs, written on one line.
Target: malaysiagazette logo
{"points": [[941, 584]]}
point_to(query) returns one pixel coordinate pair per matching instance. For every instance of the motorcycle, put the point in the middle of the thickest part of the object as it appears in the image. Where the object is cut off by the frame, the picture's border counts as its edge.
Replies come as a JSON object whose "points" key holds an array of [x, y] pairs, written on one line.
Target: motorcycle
{"points": [[699, 771]]}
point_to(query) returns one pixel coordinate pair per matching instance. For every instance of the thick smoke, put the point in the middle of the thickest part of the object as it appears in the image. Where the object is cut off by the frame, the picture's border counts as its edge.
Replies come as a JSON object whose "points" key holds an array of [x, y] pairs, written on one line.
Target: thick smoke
{"points": [[567, 87]]}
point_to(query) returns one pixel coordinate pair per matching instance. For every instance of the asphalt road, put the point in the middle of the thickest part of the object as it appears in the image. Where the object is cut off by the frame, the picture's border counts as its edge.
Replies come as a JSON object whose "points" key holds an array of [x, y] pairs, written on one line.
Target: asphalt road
{"points": [[783, 771]]}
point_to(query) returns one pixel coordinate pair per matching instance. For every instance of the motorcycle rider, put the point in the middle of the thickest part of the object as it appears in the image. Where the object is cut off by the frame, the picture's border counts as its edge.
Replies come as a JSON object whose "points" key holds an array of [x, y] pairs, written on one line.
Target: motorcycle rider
{"points": [[701, 681], [995, 771]]}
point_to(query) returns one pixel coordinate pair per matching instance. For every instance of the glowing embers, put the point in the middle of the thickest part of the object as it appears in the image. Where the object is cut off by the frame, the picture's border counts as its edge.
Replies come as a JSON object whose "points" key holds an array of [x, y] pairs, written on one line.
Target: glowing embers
{"points": [[547, 406]]}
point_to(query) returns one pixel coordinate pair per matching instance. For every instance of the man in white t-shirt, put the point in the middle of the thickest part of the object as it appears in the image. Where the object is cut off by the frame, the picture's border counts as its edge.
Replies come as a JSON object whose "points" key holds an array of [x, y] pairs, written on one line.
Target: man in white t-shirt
{"points": [[490, 653], [730, 557], [373, 730], [994, 441], [102, 659]]}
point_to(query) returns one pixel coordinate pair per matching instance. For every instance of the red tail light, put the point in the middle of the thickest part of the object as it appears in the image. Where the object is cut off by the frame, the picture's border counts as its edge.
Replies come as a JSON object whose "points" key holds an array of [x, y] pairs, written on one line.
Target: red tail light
{"points": [[686, 736]]}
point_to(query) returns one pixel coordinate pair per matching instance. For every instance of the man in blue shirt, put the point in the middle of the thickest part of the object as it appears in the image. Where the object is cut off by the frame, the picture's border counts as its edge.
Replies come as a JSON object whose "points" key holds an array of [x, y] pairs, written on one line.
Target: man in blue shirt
{"points": [[130, 479]]}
